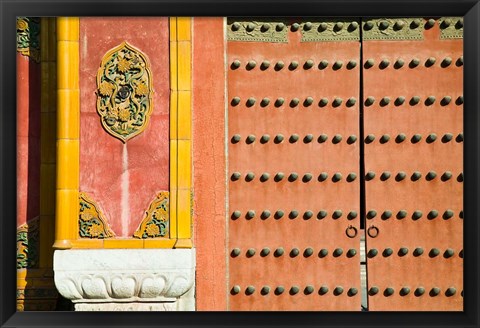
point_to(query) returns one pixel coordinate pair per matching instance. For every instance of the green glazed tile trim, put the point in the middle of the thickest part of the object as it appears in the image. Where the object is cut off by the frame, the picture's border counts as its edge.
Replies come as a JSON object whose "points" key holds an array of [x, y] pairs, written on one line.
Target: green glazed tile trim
{"points": [[451, 28], [28, 242], [263, 30], [28, 37], [397, 29], [330, 29]]}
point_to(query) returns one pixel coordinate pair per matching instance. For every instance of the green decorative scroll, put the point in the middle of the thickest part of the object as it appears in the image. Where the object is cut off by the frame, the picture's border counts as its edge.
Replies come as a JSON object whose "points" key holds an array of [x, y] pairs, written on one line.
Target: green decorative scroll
{"points": [[28, 244], [28, 37], [330, 29], [124, 95], [91, 221], [451, 27], [396, 29], [264, 30], [156, 221]]}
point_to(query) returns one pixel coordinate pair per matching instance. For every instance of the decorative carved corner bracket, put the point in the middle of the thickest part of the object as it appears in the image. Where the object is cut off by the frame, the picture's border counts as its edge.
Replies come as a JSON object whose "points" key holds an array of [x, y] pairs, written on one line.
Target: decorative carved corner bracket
{"points": [[156, 221], [451, 28], [397, 29], [124, 94], [329, 29], [28, 244], [266, 30], [91, 221], [28, 37]]}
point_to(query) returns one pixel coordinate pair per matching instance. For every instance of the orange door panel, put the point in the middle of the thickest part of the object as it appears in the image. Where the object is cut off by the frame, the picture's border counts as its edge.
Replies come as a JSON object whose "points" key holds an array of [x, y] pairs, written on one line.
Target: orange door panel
{"points": [[413, 128], [293, 165]]}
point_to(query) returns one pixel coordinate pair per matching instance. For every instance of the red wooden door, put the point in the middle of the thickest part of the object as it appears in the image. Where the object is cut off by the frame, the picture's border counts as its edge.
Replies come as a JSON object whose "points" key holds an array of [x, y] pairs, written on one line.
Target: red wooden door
{"points": [[293, 158], [413, 119]]}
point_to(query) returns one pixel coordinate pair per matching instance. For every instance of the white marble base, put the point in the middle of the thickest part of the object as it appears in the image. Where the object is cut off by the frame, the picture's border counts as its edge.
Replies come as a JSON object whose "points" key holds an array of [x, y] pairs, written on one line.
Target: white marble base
{"points": [[166, 306], [126, 278]]}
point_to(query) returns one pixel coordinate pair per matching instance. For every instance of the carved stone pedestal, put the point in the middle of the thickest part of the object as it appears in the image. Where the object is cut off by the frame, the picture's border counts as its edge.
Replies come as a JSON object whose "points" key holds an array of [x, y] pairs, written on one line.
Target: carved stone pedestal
{"points": [[127, 279]]}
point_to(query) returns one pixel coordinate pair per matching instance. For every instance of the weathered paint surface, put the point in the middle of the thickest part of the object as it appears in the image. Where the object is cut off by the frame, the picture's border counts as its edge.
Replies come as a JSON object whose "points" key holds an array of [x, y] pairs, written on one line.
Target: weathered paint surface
{"points": [[124, 190], [293, 281], [411, 270], [28, 139], [209, 163]]}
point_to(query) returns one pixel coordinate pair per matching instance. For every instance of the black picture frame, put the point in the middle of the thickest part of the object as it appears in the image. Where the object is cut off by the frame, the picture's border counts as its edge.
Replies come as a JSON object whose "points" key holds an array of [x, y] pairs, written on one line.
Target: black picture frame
{"points": [[9, 9]]}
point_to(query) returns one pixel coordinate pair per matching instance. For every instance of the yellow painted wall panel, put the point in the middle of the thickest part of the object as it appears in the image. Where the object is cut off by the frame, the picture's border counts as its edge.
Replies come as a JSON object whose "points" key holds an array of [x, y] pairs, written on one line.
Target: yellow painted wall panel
{"points": [[184, 28], [184, 65], [68, 28], [184, 214], [68, 126], [87, 243], [184, 164], [123, 243], [158, 243], [68, 65], [184, 115], [68, 162]]}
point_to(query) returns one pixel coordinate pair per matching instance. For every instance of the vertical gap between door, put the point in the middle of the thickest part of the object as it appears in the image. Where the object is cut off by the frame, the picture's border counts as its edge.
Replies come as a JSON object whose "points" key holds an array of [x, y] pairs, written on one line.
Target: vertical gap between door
{"points": [[363, 271]]}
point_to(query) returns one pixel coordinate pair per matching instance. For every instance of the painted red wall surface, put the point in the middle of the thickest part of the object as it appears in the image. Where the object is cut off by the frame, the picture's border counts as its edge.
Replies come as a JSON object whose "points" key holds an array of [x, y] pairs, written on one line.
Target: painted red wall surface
{"points": [[28, 139], [209, 163], [101, 155]]}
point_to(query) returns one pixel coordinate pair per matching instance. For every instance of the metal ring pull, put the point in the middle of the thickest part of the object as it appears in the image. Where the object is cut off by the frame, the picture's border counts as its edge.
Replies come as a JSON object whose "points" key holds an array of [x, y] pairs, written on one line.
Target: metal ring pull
{"points": [[373, 234], [349, 231]]}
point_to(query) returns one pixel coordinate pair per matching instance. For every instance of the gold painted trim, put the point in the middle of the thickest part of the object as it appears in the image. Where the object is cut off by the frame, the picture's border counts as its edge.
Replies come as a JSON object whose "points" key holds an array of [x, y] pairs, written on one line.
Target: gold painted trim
{"points": [[265, 30], [396, 29], [180, 131], [68, 119], [330, 29], [451, 28]]}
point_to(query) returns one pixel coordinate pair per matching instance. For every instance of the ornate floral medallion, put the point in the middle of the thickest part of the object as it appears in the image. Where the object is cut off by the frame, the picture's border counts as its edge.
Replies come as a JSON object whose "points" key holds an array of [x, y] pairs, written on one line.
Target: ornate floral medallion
{"points": [[124, 95]]}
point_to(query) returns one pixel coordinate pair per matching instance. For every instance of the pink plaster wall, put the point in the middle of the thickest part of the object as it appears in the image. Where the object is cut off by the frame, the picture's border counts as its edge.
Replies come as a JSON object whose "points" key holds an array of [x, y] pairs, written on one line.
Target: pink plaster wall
{"points": [[101, 155], [209, 163], [28, 139]]}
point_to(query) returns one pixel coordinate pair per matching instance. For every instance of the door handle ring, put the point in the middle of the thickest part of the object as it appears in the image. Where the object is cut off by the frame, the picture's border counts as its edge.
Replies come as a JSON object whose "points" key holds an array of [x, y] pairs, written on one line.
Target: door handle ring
{"points": [[371, 229], [349, 232]]}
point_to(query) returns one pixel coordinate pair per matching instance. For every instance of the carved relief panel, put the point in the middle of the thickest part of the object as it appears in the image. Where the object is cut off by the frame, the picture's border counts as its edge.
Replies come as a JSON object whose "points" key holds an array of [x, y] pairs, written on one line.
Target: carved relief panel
{"points": [[124, 84]]}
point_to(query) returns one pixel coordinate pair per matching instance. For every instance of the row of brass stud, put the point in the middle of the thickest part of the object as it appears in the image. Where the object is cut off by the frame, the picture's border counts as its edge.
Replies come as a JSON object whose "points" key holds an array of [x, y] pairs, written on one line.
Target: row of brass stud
{"points": [[415, 100], [339, 26], [400, 176], [294, 64], [293, 138], [432, 137], [415, 62], [338, 64], [403, 251], [250, 214], [294, 252], [308, 290], [419, 291], [416, 215], [398, 25], [307, 177], [251, 26], [308, 101], [446, 23]]}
